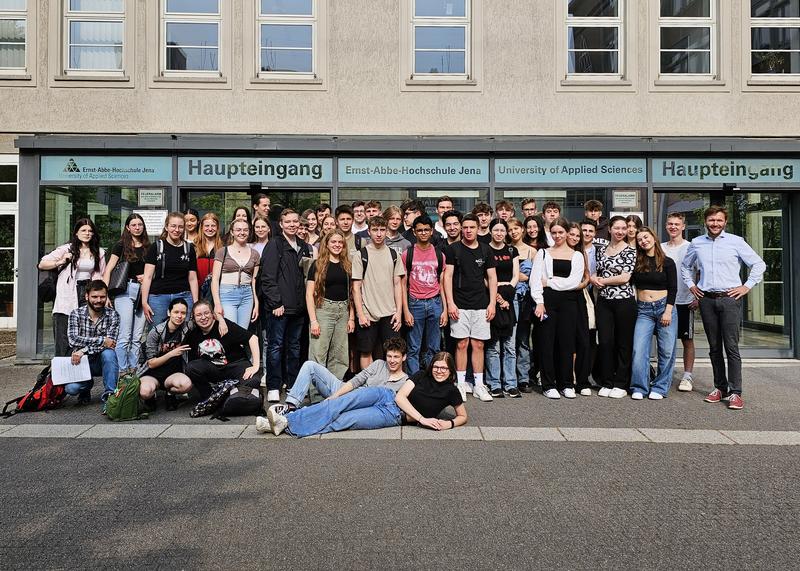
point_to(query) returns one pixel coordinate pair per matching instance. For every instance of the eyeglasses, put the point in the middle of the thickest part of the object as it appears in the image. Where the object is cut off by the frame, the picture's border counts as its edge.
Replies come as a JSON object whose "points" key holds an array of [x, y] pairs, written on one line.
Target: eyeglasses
{"points": [[440, 368], [423, 230]]}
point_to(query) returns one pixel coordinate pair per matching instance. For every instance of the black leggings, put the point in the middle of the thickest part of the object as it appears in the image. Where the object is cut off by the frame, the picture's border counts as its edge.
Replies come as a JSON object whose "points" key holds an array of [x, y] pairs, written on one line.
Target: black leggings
{"points": [[616, 319], [203, 373], [556, 339]]}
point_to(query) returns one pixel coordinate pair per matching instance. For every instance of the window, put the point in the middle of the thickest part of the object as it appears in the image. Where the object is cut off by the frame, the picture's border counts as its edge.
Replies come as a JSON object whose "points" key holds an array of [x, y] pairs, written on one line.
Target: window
{"points": [[95, 30], [595, 37], [13, 33], [191, 32], [775, 38], [441, 39], [287, 38], [687, 32]]}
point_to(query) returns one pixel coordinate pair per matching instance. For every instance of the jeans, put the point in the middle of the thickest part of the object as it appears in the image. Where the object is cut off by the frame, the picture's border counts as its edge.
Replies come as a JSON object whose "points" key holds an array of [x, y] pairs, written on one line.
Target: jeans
{"points": [[648, 320], [426, 313], [312, 373], [131, 326], [103, 363], [498, 349], [330, 348], [522, 343], [284, 341], [237, 303], [721, 317], [159, 303], [365, 408], [616, 319]]}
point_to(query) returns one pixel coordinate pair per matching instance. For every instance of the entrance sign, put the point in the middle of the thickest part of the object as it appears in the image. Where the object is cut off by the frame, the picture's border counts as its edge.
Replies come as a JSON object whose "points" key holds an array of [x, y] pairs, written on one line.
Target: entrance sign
{"points": [[722, 169], [80, 168], [611, 170], [254, 169], [414, 171]]}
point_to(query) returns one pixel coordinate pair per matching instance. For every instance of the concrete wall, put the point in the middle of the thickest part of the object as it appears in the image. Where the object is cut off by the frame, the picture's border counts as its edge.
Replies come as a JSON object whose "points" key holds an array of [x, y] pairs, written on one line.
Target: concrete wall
{"points": [[518, 92]]}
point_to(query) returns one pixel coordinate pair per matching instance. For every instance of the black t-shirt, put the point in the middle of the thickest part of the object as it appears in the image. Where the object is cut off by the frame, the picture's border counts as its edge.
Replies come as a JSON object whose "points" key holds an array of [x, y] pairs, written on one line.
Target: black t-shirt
{"points": [[469, 289], [176, 267], [135, 268], [169, 341], [233, 343], [504, 262], [430, 397], [336, 281], [485, 238]]}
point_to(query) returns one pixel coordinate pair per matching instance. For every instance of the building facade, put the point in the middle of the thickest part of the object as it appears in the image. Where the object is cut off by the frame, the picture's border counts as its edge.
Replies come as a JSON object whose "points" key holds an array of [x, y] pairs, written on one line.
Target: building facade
{"points": [[650, 106]]}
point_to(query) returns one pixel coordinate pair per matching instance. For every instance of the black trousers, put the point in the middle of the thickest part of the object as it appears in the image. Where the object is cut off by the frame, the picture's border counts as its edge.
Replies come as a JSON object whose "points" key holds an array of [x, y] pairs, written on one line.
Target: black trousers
{"points": [[556, 339], [60, 325], [616, 320], [583, 347], [204, 373]]}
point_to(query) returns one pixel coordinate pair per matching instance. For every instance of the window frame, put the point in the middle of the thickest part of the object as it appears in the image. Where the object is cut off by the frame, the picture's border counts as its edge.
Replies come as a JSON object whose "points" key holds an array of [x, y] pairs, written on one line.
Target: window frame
{"points": [[464, 22], [750, 22], [311, 20], [70, 16], [21, 73], [711, 22], [166, 18], [619, 22]]}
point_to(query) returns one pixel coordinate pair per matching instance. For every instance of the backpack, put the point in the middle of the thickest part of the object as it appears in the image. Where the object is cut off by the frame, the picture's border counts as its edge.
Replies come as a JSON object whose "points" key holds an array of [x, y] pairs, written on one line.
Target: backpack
{"points": [[43, 396], [215, 400], [124, 403], [241, 401], [365, 259], [163, 259], [439, 260]]}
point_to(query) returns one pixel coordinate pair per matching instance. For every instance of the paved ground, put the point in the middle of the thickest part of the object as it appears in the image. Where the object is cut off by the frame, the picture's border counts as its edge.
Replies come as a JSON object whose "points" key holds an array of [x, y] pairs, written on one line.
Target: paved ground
{"points": [[391, 503]]}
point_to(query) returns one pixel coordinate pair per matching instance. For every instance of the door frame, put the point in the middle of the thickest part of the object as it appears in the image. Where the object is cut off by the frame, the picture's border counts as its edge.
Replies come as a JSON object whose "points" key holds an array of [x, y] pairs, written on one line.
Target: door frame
{"points": [[12, 208]]}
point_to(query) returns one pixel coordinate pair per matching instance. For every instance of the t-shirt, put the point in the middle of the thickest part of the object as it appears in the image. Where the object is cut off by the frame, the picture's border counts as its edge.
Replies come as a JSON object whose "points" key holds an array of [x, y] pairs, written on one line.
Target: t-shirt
{"points": [[135, 268], [469, 288], [377, 375], [423, 281], [232, 272], [430, 397], [677, 253], [377, 287], [504, 262], [233, 343], [166, 343], [336, 281], [177, 264], [485, 238]]}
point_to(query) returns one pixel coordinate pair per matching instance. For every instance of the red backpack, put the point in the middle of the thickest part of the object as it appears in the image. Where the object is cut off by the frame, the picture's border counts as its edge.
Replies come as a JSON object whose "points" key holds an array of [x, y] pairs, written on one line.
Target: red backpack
{"points": [[43, 396]]}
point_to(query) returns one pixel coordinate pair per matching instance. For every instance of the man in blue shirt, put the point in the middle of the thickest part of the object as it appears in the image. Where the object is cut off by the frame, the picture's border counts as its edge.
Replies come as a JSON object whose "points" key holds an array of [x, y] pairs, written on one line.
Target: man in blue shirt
{"points": [[718, 257]]}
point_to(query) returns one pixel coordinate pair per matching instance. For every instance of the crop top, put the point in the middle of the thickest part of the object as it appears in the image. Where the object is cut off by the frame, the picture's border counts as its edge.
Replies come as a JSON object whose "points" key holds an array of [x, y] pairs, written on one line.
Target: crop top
{"points": [[654, 280]]}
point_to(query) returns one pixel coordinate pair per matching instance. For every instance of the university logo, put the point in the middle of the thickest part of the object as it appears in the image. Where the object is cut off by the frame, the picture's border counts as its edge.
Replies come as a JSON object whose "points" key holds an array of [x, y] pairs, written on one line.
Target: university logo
{"points": [[72, 166]]}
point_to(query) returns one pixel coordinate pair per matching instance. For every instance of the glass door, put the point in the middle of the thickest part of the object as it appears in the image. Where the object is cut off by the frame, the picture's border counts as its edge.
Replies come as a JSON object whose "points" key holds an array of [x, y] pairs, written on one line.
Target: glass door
{"points": [[8, 239], [224, 202]]}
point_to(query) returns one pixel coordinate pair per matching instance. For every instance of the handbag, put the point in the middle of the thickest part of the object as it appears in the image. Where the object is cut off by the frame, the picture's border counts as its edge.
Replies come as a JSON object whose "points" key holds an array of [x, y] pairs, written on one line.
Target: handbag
{"points": [[47, 284], [118, 281], [590, 309]]}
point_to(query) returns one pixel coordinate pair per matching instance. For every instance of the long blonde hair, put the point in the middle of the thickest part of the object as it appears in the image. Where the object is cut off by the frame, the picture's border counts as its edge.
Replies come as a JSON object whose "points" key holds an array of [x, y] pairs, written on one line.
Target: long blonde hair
{"points": [[323, 261], [200, 239]]}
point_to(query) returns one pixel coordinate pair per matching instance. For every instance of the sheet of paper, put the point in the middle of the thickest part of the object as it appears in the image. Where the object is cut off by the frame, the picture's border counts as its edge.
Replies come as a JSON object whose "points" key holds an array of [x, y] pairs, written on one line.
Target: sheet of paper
{"points": [[63, 371]]}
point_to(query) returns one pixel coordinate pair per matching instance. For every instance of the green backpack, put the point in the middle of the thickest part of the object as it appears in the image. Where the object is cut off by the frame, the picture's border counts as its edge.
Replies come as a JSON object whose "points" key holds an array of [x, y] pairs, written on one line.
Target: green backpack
{"points": [[124, 404]]}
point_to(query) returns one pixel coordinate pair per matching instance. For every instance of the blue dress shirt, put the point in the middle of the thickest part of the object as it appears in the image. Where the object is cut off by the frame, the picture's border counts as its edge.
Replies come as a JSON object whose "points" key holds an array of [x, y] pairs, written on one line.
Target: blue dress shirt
{"points": [[719, 262]]}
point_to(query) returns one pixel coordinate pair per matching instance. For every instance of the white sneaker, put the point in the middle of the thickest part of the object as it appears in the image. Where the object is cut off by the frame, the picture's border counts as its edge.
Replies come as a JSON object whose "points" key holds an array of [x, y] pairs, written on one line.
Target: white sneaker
{"points": [[462, 389], [655, 396], [482, 393], [568, 393], [686, 385], [586, 392], [617, 393], [637, 396], [262, 424], [604, 392], [552, 394], [277, 422], [468, 388], [274, 396]]}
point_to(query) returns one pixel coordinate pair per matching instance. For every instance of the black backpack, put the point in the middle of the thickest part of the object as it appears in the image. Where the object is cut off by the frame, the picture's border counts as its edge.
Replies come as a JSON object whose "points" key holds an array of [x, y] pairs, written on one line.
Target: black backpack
{"points": [[439, 260], [241, 401], [365, 259]]}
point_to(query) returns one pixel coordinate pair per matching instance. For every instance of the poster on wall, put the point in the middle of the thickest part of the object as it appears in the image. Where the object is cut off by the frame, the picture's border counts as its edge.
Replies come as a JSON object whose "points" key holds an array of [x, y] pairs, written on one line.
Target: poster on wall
{"points": [[151, 197], [153, 220], [626, 199]]}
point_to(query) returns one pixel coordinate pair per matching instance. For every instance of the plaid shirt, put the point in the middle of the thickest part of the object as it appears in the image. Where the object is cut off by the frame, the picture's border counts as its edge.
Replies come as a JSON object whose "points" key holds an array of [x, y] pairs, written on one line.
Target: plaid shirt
{"points": [[88, 335]]}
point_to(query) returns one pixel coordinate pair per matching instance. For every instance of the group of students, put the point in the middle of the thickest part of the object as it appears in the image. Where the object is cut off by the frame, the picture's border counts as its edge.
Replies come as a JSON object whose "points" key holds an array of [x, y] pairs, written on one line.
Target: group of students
{"points": [[481, 303]]}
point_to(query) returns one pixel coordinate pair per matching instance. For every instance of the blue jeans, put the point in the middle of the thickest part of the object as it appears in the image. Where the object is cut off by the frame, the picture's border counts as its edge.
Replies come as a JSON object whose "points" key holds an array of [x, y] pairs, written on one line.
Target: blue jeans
{"points": [[104, 364], [159, 303], [283, 334], [496, 347], [312, 373], [131, 326], [648, 320], [366, 408], [523, 344], [237, 303], [426, 313]]}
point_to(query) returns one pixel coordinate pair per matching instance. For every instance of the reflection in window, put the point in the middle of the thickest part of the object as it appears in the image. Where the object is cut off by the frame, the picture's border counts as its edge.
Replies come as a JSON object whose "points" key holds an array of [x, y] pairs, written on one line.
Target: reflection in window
{"points": [[95, 35], [12, 40], [286, 30], [775, 37], [441, 38], [594, 32], [192, 46], [687, 30]]}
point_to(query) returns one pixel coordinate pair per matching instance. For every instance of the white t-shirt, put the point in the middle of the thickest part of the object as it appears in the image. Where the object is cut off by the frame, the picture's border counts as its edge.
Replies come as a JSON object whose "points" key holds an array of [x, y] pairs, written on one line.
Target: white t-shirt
{"points": [[677, 253]]}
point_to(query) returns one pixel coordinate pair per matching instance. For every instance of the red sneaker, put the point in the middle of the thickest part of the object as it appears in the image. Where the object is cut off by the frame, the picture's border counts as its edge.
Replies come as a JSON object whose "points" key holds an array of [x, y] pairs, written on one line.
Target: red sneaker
{"points": [[715, 396], [736, 402]]}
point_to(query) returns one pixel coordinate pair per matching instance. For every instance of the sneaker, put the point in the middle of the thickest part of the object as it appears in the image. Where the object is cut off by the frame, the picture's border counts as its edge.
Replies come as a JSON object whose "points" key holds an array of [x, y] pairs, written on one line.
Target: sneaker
{"points": [[462, 389], [685, 385], [513, 393], [655, 396], [170, 402], [617, 393], [468, 388], [637, 396], [497, 393], [262, 424], [586, 392], [604, 392], [274, 396], [735, 402], [83, 399], [525, 388], [104, 411], [715, 396], [277, 422], [552, 394], [481, 393], [149, 405], [569, 393]]}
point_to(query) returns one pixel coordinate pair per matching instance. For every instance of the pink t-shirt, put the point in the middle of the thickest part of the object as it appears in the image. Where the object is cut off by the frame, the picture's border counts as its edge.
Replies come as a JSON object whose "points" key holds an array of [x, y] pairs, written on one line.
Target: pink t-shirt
{"points": [[423, 281]]}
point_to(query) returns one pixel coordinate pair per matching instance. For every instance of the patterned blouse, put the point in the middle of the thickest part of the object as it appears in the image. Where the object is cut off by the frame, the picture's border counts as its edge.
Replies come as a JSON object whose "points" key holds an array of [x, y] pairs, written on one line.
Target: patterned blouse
{"points": [[612, 266]]}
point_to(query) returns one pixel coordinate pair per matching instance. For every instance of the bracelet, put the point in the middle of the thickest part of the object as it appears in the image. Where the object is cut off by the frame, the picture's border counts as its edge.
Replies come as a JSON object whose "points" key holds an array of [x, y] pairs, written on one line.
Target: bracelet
{"points": [[452, 423]]}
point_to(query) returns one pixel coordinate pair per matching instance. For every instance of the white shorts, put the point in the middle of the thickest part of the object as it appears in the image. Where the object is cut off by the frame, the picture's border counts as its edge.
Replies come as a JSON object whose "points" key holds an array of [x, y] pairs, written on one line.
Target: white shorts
{"points": [[471, 323]]}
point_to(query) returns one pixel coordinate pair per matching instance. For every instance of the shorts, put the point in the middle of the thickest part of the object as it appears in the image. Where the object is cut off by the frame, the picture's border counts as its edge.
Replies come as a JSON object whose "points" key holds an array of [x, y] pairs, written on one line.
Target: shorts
{"points": [[471, 323], [161, 373], [367, 338], [685, 322]]}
